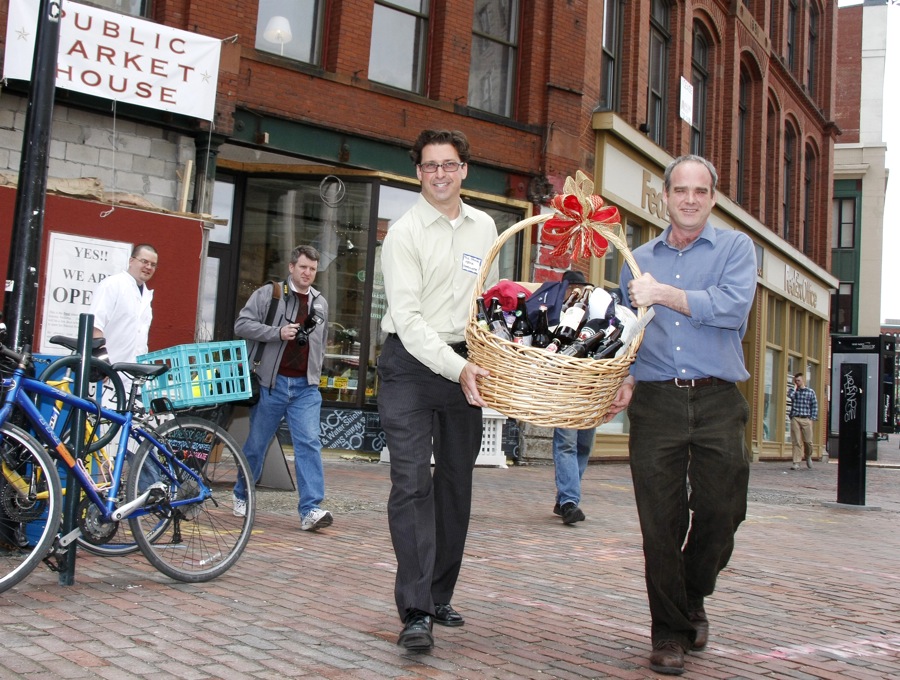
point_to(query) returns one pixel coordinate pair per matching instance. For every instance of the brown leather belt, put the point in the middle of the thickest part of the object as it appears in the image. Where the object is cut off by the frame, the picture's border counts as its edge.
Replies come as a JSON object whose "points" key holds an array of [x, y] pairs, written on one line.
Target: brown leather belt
{"points": [[695, 382]]}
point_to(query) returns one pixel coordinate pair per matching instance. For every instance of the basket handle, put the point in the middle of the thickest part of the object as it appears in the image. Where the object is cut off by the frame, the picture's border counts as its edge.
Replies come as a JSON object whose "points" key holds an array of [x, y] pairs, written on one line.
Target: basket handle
{"points": [[613, 237]]}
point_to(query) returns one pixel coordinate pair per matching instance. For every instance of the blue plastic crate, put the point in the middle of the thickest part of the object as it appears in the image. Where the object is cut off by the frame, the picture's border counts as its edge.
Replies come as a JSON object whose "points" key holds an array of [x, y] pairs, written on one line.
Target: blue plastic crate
{"points": [[200, 374]]}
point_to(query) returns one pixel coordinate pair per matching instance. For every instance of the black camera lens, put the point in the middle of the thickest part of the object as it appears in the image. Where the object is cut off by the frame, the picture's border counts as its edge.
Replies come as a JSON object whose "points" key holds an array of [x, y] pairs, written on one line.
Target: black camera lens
{"points": [[302, 339]]}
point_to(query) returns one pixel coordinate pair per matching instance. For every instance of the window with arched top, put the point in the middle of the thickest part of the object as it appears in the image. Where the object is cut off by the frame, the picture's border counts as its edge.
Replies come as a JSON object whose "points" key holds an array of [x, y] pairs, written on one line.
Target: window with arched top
{"points": [[700, 68], [812, 47], [611, 55], [809, 200], [772, 170], [789, 169], [658, 74]]}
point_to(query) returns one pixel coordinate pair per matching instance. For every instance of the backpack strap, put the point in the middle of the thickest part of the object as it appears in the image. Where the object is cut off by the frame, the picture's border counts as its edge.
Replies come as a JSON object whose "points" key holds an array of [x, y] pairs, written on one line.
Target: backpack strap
{"points": [[270, 317]]}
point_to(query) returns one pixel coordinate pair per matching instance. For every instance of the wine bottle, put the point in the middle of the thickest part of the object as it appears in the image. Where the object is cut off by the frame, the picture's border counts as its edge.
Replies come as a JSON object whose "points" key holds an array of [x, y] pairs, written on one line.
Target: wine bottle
{"points": [[572, 320], [592, 336], [609, 349], [570, 300], [481, 315], [522, 330], [542, 336], [497, 322]]}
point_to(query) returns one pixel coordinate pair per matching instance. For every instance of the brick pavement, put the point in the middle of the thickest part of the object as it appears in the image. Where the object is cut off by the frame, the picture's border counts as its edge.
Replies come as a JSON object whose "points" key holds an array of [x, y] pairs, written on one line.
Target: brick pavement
{"points": [[812, 592]]}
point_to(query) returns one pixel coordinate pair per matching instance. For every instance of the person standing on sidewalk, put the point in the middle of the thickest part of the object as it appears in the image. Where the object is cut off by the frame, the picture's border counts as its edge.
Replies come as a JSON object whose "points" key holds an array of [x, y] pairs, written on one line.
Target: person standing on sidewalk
{"points": [[428, 399], [571, 451], [122, 308], [289, 371], [804, 410], [687, 416]]}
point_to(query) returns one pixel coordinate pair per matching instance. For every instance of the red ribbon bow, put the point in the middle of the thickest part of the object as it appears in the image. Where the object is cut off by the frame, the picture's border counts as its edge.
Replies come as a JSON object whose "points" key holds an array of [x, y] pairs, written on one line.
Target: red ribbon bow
{"points": [[573, 228]]}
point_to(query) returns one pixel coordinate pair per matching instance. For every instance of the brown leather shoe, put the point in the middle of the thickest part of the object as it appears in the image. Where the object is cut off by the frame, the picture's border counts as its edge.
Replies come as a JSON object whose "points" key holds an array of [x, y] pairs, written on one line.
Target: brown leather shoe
{"points": [[701, 625], [667, 658]]}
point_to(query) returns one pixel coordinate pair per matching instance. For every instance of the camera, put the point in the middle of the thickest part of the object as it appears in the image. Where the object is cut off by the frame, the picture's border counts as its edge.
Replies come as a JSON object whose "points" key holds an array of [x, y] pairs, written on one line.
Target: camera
{"points": [[307, 327]]}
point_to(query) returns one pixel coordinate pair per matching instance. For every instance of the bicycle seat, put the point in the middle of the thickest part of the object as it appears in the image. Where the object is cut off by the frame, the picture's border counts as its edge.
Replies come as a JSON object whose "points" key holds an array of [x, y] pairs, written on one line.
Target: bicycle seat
{"points": [[72, 343], [140, 370]]}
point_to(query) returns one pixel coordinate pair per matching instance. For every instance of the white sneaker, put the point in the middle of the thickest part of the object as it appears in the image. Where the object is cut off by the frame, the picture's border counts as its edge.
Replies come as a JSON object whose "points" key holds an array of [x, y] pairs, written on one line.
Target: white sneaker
{"points": [[315, 519], [239, 506]]}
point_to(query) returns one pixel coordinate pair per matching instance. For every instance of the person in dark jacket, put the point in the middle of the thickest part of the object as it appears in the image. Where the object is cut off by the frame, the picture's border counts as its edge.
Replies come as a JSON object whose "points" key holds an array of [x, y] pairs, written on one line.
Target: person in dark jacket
{"points": [[289, 371]]}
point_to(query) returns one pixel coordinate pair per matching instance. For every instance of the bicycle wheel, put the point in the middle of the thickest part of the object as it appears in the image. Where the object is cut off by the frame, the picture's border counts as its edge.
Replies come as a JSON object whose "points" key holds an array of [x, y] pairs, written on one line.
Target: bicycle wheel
{"points": [[30, 497], [105, 388], [200, 540]]}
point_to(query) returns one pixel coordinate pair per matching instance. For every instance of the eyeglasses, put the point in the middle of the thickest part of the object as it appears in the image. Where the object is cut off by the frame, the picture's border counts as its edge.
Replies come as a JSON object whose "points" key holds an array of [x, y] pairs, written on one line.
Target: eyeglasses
{"points": [[448, 166], [146, 263]]}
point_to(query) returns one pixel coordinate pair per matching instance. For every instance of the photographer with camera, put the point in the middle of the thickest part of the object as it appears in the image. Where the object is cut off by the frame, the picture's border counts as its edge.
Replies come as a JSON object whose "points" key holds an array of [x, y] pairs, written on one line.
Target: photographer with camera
{"points": [[289, 372]]}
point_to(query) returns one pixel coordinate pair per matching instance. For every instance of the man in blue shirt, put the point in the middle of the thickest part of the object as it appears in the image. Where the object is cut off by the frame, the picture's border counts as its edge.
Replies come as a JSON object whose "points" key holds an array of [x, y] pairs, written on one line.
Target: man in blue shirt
{"points": [[804, 410], [687, 416]]}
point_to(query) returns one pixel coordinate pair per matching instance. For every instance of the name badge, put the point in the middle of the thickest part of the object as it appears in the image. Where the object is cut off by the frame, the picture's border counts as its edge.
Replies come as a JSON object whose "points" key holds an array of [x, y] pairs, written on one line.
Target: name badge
{"points": [[470, 263]]}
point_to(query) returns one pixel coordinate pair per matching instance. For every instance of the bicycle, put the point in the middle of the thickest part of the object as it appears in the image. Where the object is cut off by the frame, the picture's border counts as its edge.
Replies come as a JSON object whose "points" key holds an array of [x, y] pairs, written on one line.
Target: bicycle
{"points": [[179, 506], [99, 537]]}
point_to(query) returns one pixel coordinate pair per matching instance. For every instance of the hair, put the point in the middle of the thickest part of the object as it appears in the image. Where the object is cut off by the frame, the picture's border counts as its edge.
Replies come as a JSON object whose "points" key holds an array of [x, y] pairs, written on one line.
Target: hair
{"points": [[308, 251], [142, 246], [798, 375], [453, 137], [667, 178]]}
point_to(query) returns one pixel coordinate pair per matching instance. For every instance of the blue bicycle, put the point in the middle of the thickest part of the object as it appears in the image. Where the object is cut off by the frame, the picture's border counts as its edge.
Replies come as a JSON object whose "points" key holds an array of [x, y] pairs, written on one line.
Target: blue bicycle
{"points": [[176, 493]]}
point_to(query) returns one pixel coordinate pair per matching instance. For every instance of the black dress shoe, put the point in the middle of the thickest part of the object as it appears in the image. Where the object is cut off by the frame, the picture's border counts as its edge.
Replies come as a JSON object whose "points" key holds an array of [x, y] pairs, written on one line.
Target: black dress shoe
{"points": [[416, 634], [571, 513], [446, 615], [667, 658], [556, 510], [701, 625]]}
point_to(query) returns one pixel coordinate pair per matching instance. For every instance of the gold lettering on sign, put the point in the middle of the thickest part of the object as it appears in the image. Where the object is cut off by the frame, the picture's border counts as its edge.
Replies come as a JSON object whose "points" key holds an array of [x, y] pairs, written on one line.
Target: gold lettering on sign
{"points": [[652, 200], [798, 286]]}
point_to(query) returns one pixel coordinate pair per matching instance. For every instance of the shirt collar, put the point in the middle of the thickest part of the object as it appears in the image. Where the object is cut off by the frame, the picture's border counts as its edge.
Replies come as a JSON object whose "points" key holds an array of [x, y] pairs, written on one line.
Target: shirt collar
{"points": [[708, 234], [432, 214]]}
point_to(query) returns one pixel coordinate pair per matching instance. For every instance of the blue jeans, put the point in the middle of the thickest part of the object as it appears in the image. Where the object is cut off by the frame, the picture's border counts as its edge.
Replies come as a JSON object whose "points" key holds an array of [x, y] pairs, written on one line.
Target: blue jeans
{"points": [[299, 402], [678, 435], [571, 450]]}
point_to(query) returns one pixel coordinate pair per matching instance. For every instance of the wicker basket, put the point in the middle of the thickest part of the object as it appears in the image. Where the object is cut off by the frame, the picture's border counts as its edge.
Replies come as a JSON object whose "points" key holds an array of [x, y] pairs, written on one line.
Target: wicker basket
{"points": [[540, 387]]}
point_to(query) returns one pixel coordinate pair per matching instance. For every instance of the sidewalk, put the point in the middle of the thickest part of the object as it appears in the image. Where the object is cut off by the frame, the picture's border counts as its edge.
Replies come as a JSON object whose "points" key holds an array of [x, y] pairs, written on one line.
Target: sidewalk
{"points": [[811, 592]]}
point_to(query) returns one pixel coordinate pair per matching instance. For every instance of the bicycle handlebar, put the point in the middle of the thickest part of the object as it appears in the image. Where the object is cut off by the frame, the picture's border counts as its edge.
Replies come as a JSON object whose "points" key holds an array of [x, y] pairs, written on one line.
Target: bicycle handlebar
{"points": [[23, 360]]}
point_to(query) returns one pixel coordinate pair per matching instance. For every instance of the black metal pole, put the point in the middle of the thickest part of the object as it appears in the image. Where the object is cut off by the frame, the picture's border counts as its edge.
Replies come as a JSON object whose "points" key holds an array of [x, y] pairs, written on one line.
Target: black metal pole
{"points": [[28, 220], [73, 486]]}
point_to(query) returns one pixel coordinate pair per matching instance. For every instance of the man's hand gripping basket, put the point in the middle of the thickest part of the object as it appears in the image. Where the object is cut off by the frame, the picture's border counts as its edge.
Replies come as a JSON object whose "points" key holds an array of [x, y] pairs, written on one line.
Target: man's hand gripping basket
{"points": [[529, 383]]}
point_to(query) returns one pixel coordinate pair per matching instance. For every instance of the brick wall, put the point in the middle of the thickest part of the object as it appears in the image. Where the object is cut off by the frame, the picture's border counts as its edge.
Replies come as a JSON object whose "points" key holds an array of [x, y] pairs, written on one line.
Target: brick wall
{"points": [[849, 73]]}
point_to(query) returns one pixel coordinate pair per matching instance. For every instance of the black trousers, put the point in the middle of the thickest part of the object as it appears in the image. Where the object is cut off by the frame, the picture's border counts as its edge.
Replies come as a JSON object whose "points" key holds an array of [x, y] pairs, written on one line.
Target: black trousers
{"points": [[423, 413], [678, 435]]}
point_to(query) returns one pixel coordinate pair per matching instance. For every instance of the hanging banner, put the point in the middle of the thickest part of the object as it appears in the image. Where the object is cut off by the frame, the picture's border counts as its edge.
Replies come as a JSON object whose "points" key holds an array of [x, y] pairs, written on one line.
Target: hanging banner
{"points": [[120, 57], [75, 267]]}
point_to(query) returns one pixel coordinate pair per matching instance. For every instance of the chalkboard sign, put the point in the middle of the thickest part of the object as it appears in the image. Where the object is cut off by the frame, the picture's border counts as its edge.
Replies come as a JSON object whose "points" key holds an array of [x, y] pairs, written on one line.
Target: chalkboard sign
{"points": [[355, 430], [351, 430], [510, 443]]}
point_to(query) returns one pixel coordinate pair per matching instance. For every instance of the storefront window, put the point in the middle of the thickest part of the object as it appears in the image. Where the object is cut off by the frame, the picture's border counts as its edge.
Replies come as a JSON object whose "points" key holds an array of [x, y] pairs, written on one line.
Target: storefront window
{"points": [[770, 394], [332, 216], [336, 217]]}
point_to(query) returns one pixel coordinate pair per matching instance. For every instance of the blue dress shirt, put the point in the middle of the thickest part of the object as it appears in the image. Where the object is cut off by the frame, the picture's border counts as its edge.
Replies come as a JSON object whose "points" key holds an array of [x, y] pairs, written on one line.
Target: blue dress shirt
{"points": [[717, 271]]}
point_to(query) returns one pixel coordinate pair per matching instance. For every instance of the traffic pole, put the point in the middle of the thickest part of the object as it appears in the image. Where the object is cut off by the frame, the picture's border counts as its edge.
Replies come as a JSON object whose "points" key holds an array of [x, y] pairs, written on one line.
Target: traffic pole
{"points": [[28, 220]]}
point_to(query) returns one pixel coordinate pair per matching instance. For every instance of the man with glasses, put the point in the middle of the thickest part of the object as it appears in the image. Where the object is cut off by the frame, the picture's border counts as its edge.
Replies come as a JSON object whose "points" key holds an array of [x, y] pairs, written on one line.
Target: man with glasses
{"points": [[122, 311], [428, 398], [293, 340]]}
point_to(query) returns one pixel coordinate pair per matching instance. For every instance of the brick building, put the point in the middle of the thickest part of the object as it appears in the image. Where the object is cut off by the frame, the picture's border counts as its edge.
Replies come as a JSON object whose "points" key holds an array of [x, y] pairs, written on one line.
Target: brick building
{"points": [[318, 101]]}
